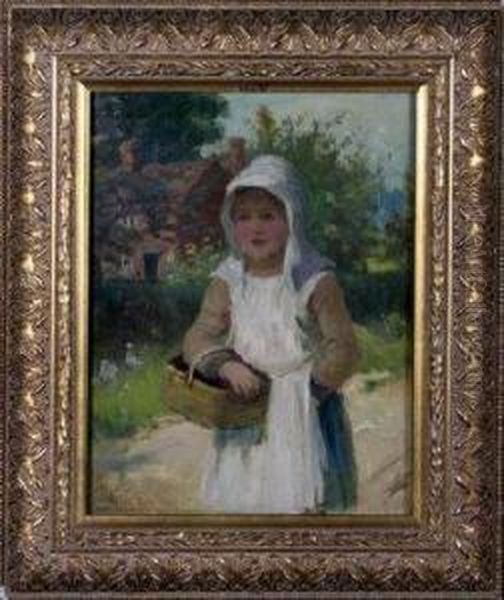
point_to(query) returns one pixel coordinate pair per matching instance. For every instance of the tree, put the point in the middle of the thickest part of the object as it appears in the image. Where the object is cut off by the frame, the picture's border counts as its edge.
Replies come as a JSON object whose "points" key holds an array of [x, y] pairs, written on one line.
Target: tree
{"points": [[342, 185], [169, 126]]}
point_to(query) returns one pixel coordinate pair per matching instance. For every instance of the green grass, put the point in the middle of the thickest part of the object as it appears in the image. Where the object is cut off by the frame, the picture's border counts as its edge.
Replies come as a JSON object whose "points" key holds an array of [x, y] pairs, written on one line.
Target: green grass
{"points": [[135, 399], [381, 354], [375, 264]]}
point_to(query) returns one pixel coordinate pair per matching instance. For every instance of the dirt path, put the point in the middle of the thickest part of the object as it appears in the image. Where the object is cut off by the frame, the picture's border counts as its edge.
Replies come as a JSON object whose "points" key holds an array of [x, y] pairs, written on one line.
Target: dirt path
{"points": [[159, 470]]}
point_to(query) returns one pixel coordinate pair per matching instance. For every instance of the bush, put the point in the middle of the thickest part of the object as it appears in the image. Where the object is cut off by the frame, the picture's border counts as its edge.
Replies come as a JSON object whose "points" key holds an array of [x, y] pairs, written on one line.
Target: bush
{"points": [[160, 312], [142, 311], [395, 325], [195, 267], [373, 296], [379, 354]]}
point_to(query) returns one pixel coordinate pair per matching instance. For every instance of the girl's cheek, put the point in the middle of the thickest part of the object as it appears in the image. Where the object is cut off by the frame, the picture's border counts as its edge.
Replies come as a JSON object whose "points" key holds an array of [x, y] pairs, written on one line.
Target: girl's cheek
{"points": [[241, 230], [274, 227], [278, 229]]}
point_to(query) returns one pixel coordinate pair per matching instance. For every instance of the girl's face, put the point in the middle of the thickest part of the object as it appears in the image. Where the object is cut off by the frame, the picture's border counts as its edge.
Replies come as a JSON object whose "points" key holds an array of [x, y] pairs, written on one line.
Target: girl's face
{"points": [[260, 228]]}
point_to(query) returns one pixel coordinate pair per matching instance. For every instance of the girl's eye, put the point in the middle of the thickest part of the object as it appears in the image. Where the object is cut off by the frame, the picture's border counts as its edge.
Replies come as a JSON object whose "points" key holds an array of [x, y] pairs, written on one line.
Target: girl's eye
{"points": [[242, 217], [267, 216]]}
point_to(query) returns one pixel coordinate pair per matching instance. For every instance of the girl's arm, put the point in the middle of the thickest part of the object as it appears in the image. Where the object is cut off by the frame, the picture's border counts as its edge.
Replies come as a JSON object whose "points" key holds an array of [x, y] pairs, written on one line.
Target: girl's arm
{"points": [[338, 353], [203, 344]]}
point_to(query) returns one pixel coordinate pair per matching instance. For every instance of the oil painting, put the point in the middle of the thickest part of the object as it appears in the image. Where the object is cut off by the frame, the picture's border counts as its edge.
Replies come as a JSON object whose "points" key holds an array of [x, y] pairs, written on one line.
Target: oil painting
{"points": [[252, 302]]}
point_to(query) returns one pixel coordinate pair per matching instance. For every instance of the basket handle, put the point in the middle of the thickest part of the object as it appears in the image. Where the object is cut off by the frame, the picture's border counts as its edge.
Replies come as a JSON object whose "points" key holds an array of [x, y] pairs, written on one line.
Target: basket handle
{"points": [[197, 360]]}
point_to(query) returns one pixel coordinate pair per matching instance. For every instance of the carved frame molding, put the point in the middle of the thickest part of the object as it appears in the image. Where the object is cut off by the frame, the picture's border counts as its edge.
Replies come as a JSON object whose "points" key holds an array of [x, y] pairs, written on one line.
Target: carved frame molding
{"points": [[454, 548]]}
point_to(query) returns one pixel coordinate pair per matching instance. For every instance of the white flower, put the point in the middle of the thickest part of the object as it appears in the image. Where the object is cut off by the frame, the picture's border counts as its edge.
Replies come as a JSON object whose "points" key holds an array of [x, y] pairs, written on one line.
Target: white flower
{"points": [[131, 360], [108, 371]]}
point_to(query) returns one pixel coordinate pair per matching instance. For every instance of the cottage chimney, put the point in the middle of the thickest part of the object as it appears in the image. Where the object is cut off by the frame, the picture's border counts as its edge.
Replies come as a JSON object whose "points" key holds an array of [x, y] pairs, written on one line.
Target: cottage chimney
{"points": [[128, 154], [237, 155]]}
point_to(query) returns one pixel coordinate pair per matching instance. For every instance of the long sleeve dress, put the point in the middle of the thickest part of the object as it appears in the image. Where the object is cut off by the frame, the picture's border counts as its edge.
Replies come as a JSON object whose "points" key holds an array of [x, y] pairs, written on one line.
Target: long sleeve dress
{"points": [[302, 460]]}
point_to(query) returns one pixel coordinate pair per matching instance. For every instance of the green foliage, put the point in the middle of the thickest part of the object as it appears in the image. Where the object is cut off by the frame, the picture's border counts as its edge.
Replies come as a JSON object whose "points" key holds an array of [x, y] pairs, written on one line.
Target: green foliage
{"points": [[377, 264], [267, 130], [395, 325], [170, 126], [133, 400], [195, 268], [342, 185], [372, 296], [153, 312], [380, 354], [145, 312], [399, 231]]}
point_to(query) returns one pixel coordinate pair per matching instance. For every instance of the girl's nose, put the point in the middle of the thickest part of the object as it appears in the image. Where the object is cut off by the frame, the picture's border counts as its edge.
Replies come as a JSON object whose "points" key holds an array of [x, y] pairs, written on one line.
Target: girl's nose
{"points": [[257, 225]]}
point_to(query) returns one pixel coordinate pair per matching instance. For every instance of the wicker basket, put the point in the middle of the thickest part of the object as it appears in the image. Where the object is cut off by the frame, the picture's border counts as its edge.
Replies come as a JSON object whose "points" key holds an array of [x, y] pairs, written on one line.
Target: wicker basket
{"points": [[209, 402]]}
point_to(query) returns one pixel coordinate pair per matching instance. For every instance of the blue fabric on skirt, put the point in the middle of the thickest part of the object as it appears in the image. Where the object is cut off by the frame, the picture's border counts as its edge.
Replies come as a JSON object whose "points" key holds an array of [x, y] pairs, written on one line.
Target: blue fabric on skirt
{"points": [[340, 477]]}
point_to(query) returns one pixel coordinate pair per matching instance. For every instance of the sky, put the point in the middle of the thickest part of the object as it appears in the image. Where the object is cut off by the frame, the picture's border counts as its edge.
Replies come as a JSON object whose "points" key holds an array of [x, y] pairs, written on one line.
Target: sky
{"points": [[383, 121]]}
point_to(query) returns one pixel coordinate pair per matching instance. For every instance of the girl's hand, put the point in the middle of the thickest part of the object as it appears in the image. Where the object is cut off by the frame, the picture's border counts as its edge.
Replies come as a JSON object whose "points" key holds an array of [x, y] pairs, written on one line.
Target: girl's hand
{"points": [[241, 378]]}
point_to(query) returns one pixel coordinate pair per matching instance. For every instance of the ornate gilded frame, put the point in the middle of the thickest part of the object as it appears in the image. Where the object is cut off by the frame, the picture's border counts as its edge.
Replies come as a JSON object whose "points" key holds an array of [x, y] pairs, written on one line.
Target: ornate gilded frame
{"points": [[49, 50]]}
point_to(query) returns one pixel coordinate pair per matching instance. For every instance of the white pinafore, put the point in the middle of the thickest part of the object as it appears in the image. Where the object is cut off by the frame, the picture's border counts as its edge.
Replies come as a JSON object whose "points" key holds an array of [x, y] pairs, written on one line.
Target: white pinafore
{"points": [[284, 472]]}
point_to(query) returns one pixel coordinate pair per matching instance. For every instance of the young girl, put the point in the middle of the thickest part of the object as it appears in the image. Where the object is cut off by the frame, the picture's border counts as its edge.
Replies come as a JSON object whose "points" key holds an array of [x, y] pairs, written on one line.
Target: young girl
{"points": [[274, 307]]}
